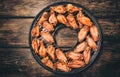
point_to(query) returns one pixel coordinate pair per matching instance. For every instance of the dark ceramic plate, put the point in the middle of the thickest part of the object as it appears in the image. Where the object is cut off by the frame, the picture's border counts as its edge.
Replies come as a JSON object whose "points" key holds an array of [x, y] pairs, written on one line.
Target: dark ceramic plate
{"points": [[94, 54]]}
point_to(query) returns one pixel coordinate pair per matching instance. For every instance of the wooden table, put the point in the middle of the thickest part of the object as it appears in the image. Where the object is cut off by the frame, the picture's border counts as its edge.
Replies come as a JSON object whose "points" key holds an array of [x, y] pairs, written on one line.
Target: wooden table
{"points": [[16, 17]]}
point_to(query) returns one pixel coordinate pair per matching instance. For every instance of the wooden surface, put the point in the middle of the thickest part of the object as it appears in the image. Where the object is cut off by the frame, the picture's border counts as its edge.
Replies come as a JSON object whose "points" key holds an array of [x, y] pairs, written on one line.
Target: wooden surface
{"points": [[16, 17]]}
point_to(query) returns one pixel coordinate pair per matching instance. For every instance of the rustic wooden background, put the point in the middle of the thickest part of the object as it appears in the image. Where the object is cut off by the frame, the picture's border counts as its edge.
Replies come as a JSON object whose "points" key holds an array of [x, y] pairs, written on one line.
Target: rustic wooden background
{"points": [[16, 17]]}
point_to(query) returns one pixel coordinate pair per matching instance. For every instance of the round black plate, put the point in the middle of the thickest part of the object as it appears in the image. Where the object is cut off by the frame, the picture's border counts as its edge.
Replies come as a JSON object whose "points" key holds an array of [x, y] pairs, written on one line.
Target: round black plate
{"points": [[94, 55]]}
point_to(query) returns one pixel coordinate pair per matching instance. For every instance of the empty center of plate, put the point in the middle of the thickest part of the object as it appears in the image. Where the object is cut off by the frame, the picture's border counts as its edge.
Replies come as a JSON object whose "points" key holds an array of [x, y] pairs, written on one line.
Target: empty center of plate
{"points": [[65, 38]]}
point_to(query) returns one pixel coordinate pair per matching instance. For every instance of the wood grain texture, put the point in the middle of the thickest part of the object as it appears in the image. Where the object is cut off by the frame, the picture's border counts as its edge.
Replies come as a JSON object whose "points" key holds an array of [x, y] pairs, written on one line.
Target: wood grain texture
{"points": [[16, 17]]}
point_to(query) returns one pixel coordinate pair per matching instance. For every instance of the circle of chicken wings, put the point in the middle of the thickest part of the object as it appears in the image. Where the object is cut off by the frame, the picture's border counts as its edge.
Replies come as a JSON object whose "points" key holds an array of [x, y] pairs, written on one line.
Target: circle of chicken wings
{"points": [[55, 58]]}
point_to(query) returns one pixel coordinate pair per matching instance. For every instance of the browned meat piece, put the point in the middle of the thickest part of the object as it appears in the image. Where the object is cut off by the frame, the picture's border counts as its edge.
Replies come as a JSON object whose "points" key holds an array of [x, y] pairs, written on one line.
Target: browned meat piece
{"points": [[53, 19], [60, 56], [61, 18], [42, 50], [86, 55], [78, 19], [76, 64], [83, 33], [43, 18], [62, 67], [94, 33], [51, 51], [47, 37], [74, 55], [70, 8], [83, 19], [35, 44], [72, 21], [48, 26], [48, 63], [91, 43], [80, 47], [59, 9], [35, 31]]}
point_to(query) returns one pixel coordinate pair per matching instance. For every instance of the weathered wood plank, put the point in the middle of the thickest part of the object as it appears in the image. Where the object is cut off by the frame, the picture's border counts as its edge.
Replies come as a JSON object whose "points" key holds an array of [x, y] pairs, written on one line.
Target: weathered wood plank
{"points": [[19, 62], [32, 7], [14, 32]]}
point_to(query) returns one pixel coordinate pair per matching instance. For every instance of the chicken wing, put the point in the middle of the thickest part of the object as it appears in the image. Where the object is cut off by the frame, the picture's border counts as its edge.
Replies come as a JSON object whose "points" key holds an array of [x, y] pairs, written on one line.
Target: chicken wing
{"points": [[76, 64], [51, 52], [72, 21], [48, 26], [60, 56], [42, 50], [59, 9], [61, 18], [53, 19], [91, 43], [94, 33], [86, 55], [48, 63], [62, 66], [47, 37], [43, 18], [35, 44], [80, 47], [74, 55], [83, 33], [35, 31], [70, 8]]}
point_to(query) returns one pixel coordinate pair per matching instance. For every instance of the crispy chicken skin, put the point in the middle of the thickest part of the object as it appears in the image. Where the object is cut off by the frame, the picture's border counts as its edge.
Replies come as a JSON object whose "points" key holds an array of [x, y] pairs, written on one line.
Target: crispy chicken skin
{"points": [[43, 18], [74, 55], [59, 9], [47, 37], [62, 66], [80, 47], [60, 56], [61, 18], [35, 44], [48, 63], [76, 64], [83, 33], [94, 33], [35, 31], [48, 26], [91, 43], [86, 55], [53, 18], [42, 50], [51, 52], [70, 8], [72, 21]]}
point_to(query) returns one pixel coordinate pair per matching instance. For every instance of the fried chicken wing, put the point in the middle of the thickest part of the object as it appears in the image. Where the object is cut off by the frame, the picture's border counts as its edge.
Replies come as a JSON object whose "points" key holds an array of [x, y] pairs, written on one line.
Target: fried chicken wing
{"points": [[83, 33], [42, 50], [43, 18], [86, 55], [48, 63], [35, 31], [94, 33], [47, 37], [35, 44], [76, 64], [74, 55], [80, 47], [91, 43], [61, 18], [59, 9], [51, 51], [70, 8], [53, 19], [62, 67], [60, 56], [72, 21], [48, 26]]}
